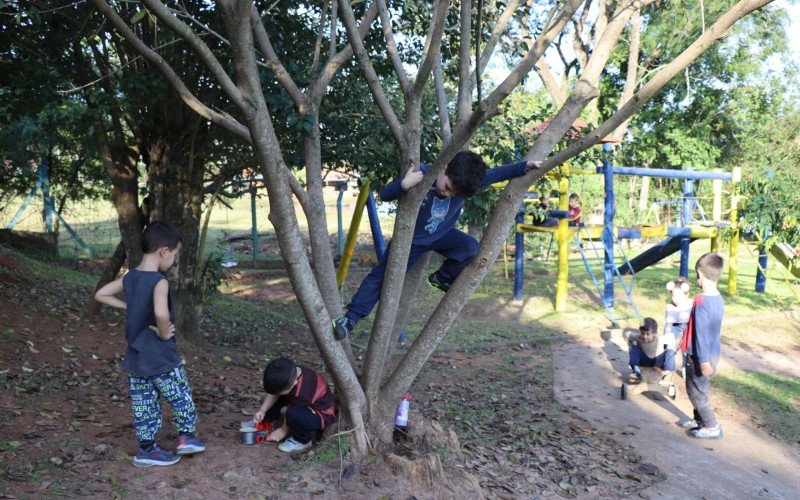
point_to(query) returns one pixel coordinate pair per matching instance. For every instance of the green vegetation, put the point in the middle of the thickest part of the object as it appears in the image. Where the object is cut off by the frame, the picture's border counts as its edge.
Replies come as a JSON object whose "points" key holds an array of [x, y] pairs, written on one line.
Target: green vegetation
{"points": [[771, 400]]}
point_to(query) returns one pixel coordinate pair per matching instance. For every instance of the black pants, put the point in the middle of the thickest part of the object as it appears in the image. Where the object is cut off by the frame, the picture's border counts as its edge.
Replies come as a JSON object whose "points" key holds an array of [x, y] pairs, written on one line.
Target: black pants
{"points": [[303, 422], [698, 388]]}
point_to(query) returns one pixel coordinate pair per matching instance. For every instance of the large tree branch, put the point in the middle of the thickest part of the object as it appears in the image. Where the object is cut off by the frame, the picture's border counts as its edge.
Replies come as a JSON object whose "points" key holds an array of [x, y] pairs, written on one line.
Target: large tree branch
{"points": [[335, 62], [409, 206], [464, 99], [334, 22], [323, 19], [632, 75], [433, 44], [489, 105], [200, 48], [273, 61], [371, 77], [441, 102], [502, 218], [223, 120], [716, 32], [556, 89], [497, 31], [267, 151], [391, 46]]}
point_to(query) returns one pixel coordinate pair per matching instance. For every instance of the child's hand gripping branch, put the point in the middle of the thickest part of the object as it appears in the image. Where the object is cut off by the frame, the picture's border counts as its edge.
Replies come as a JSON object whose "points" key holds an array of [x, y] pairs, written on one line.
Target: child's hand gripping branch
{"points": [[533, 165], [412, 178]]}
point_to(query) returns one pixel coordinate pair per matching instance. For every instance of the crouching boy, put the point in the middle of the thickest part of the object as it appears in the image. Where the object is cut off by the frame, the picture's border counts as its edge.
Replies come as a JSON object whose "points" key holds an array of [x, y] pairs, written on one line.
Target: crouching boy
{"points": [[304, 399], [648, 348]]}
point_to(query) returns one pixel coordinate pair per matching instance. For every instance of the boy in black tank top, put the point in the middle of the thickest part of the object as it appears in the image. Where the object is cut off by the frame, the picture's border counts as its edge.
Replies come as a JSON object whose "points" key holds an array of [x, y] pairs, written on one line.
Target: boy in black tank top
{"points": [[152, 361]]}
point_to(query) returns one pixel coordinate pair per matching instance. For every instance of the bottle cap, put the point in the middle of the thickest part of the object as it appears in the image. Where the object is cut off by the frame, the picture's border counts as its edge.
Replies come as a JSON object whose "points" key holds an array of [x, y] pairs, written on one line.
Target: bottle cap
{"points": [[407, 395]]}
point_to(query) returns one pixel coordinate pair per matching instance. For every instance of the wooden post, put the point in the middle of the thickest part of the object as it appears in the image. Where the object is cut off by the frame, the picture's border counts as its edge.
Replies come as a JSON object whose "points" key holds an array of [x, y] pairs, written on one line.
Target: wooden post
{"points": [[562, 237], [716, 213], [352, 234], [734, 245]]}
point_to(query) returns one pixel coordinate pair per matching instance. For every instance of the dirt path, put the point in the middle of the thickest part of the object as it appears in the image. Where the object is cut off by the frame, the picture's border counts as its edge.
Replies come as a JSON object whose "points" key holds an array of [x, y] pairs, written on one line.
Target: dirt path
{"points": [[745, 464]]}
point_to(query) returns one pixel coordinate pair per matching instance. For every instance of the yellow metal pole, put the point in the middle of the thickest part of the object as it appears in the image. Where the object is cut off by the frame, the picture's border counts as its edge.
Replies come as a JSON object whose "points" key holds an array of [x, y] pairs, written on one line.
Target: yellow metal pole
{"points": [[352, 234], [734, 248], [716, 213], [562, 237]]}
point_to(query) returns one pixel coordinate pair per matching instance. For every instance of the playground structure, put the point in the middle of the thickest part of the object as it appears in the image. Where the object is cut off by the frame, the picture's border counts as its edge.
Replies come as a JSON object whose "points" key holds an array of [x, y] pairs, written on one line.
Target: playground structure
{"points": [[50, 213], [676, 238]]}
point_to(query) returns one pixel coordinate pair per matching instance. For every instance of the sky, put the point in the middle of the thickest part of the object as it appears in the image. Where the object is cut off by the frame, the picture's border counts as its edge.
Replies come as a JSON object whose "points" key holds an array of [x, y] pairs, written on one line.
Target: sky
{"points": [[793, 33]]}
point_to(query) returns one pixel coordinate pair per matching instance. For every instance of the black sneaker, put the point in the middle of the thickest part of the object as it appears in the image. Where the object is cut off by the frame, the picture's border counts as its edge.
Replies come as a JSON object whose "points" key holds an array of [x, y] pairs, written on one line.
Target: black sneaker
{"points": [[342, 327], [435, 282]]}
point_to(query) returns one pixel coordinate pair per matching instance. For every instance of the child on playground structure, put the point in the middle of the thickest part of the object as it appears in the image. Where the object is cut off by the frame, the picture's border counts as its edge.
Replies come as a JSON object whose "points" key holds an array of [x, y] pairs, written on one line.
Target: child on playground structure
{"points": [[701, 342], [435, 227], [302, 397], [574, 215], [539, 211], [155, 368], [678, 311], [648, 348]]}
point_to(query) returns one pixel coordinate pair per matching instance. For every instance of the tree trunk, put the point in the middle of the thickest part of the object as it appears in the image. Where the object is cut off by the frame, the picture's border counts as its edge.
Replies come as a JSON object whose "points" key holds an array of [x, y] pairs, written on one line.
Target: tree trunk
{"points": [[176, 162], [110, 273], [324, 271]]}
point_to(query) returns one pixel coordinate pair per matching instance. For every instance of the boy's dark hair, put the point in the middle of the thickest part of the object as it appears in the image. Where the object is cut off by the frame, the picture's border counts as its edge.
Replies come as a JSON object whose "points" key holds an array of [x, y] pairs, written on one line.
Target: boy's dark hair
{"points": [[159, 234], [466, 172], [278, 374], [574, 196], [649, 324], [710, 265]]}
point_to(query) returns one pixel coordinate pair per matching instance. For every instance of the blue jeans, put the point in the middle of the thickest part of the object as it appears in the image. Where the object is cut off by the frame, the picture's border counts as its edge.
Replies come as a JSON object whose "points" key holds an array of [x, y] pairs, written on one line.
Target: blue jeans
{"points": [[457, 247], [665, 360]]}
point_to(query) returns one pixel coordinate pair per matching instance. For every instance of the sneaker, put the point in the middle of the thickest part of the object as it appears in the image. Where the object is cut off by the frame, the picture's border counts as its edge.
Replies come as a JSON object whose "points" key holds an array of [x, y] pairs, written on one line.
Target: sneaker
{"points": [[156, 456], [292, 446], [704, 432], [188, 445], [690, 424], [342, 327], [635, 378], [436, 282]]}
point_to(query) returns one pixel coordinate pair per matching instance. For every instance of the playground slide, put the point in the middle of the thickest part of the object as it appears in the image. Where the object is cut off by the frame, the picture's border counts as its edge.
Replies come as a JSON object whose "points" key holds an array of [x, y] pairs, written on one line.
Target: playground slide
{"points": [[664, 249], [785, 255]]}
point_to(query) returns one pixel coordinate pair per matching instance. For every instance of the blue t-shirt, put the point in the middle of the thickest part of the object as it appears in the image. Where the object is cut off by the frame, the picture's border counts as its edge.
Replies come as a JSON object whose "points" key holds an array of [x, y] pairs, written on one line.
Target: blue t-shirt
{"points": [[147, 354], [438, 214], [706, 325]]}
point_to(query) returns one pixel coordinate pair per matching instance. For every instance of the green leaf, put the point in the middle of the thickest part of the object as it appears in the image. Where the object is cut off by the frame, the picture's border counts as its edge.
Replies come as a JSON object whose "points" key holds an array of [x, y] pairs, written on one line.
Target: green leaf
{"points": [[138, 16]]}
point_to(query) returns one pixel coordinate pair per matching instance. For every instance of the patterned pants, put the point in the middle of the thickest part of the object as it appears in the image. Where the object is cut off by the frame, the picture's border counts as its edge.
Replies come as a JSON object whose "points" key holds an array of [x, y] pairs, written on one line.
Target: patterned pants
{"points": [[145, 392]]}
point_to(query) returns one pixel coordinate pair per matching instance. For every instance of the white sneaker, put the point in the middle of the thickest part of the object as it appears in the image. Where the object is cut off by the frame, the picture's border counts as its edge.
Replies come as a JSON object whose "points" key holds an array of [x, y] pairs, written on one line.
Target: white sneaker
{"points": [[707, 432], [690, 424], [292, 446]]}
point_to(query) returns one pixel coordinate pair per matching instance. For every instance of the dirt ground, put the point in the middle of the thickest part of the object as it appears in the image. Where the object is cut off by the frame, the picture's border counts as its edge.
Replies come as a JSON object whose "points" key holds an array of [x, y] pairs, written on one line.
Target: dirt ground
{"points": [[66, 425], [746, 463]]}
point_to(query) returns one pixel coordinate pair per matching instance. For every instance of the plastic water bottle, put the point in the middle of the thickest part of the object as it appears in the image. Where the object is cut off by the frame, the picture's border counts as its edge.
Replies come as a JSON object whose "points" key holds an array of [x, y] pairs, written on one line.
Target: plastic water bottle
{"points": [[401, 418]]}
